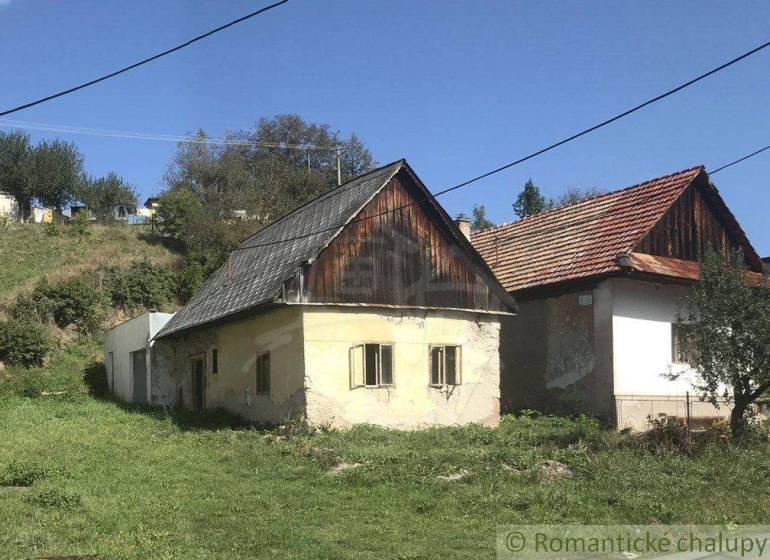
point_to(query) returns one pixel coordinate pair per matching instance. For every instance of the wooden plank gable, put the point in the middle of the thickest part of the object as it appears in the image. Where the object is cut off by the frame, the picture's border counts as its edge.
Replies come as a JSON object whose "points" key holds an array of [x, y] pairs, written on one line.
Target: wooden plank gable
{"points": [[398, 252]]}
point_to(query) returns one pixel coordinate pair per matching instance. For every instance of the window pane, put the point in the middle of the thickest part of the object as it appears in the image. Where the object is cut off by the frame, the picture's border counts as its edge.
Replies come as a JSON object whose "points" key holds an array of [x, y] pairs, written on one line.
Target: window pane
{"points": [[214, 361], [263, 373], [436, 359], [386, 366], [451, 365], [372, 357]]}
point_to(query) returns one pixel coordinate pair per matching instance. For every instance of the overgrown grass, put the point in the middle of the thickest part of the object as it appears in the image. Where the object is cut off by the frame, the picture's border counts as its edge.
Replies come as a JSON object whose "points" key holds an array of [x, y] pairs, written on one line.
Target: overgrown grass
{"points": [[29, 253], [82, 474]]}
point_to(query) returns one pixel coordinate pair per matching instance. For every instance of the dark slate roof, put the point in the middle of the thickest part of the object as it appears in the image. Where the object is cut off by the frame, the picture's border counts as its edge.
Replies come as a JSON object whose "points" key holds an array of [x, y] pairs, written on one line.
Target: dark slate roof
{"points": [[259, 272]]}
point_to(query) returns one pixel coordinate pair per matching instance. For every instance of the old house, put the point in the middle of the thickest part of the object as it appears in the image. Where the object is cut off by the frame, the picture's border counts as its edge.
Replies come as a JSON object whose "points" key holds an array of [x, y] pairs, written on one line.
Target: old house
{"points": [[9, 208], [598, 285], [365, 305]]}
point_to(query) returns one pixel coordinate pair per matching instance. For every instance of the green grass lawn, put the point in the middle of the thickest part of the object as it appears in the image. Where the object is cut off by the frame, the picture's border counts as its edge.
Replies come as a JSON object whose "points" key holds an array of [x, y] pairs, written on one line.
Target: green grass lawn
{"points": [[129, 482], [29, 253]]}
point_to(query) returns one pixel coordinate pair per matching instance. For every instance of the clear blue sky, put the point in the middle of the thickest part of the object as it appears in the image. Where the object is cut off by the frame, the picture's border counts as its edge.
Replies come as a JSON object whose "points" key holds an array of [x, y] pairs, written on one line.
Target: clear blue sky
{"points": [[455, 87]]}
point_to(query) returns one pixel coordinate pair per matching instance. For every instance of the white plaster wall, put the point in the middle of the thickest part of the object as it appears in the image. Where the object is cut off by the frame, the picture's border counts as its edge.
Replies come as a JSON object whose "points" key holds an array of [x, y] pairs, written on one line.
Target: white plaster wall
{"points": [[122, 340], [331, 332], [8, 207]]}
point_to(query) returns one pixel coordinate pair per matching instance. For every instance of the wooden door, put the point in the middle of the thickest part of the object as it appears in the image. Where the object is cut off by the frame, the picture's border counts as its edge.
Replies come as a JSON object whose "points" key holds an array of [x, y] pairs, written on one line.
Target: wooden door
{"points": [[139, 368], [199, 384]]}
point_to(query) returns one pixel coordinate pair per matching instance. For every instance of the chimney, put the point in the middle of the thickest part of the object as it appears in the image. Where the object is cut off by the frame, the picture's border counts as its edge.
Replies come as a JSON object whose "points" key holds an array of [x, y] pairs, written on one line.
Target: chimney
{"points": [[464, 223]]}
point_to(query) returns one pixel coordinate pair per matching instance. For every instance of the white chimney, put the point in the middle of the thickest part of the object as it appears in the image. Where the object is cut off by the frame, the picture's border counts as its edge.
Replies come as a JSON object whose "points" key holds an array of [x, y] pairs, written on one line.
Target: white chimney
{"points": [[464, 223]]}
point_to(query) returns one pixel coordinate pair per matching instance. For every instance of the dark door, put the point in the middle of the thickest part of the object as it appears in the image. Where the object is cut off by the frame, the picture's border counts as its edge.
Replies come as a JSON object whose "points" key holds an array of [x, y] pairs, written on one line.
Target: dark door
{"points": [[139, 367], [199, 385]]}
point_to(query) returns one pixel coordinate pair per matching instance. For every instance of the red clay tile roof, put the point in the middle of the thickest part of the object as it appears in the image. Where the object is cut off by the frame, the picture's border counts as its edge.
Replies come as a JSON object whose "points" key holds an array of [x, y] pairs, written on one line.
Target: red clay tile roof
{"points": [[678, 268], [581, 240]]}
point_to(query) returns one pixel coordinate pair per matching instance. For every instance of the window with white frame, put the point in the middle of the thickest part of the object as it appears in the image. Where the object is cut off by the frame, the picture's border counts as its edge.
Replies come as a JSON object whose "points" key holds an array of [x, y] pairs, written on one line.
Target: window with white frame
{"points": [[445, 370], [371, 365]]}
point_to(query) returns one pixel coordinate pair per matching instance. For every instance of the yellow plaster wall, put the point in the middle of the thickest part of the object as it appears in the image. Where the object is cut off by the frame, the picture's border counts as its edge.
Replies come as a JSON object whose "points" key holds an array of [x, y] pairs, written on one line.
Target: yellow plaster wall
{"points": [[330, 332]]}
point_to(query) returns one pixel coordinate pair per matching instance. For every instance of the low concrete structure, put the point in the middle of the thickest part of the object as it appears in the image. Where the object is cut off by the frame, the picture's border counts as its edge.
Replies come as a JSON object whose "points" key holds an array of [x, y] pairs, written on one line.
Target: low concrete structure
{"points": [[128, 351], [8, 207], [362, 316]]}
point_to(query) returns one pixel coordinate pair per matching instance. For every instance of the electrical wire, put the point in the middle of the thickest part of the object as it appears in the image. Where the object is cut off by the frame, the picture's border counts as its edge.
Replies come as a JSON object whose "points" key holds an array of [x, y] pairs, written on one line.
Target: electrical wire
{"points": [[739, 160], [141, 62]]}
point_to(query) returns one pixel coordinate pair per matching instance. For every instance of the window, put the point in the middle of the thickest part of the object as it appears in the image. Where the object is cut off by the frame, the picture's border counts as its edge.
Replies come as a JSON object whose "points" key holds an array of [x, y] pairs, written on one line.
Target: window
{"points": [[214, 361], [445, 366], [371, 365], [263, 373], [681, 344]]}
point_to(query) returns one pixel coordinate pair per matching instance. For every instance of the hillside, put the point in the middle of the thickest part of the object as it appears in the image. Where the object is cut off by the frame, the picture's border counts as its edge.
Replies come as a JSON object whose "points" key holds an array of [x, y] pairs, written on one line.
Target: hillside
{"points": [[28, 253]]}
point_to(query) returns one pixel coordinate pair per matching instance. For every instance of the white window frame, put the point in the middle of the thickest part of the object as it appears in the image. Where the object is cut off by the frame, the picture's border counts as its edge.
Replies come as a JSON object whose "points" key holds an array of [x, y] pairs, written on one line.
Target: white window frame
{"points": [[442, 371], [358, 366]]}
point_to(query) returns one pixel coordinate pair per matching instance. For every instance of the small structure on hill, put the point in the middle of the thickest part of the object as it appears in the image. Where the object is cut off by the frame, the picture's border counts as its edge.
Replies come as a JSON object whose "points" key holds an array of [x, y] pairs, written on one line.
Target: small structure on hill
{"points": [[128, 356]]}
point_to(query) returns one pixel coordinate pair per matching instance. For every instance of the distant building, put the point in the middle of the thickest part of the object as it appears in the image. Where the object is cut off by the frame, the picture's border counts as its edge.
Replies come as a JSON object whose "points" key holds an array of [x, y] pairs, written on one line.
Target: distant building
{"points": [[8, 207], [766, 260]]}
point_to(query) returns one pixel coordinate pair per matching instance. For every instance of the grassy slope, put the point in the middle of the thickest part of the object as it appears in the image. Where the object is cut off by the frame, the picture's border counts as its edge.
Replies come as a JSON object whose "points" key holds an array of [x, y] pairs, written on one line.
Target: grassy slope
{"points": [[152, 486], [28, 254]]}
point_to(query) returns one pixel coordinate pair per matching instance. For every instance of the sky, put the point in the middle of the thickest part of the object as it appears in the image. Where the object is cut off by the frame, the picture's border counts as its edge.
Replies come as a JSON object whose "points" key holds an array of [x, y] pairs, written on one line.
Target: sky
{"points": [[455, 87]]}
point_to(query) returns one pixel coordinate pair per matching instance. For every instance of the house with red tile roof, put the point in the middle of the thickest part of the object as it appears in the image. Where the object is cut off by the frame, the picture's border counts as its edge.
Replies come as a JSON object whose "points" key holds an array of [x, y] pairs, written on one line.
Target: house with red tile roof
{"points": [[599, 285]]}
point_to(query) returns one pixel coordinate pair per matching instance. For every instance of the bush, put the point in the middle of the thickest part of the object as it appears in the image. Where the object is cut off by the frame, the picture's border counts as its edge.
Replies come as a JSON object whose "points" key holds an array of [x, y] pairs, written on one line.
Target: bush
{"points": [[51, 229], [23, 343], [189, 280], [81, 224], [77, 302], [143, 284], [34, 305]]}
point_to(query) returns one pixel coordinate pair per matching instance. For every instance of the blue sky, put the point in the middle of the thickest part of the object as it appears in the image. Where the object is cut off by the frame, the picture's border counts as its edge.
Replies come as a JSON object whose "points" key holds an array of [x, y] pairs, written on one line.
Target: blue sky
{"points": [[455, 87]]}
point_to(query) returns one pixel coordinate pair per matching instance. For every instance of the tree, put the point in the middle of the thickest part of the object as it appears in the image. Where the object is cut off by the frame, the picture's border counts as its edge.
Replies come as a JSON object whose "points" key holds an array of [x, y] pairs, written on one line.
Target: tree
{"points": [[726, 342], [529, 202], [104, 195], [15, 155], [480, 221], [175, 210], [257, 176], [573, 196], [56, 172]]}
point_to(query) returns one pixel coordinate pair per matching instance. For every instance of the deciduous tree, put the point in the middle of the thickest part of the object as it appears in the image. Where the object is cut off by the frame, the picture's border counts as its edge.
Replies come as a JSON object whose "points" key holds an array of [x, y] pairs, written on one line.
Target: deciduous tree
{"points": [[15, 156], [56, 172]]}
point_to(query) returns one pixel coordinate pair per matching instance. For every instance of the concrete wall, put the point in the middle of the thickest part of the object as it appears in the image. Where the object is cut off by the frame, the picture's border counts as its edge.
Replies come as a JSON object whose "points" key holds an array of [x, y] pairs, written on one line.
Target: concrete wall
{"points": [[642, 315], [124, 339], [549, 354], [234, 386], [8, 207], [331, 332]]}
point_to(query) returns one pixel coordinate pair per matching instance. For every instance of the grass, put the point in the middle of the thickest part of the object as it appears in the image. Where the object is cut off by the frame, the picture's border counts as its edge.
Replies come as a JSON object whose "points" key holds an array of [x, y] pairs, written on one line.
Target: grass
{"points": [[121, 481], [35, 254]]}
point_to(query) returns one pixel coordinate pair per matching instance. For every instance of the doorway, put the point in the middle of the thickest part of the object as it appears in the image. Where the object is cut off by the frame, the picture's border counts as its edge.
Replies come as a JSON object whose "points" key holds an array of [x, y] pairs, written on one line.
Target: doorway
{"points": [[139, 369], [198, 383]]}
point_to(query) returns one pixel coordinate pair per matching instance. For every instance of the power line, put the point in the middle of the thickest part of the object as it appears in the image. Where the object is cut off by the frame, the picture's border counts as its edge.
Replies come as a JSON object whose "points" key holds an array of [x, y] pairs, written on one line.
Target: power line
{"points": [[44, 127], [540, 151], [142, 62], [739, 160]]}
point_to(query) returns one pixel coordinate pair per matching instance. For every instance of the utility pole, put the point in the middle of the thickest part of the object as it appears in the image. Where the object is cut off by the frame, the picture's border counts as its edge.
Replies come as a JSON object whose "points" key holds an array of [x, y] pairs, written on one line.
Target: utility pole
{"points": [[339, 169]]}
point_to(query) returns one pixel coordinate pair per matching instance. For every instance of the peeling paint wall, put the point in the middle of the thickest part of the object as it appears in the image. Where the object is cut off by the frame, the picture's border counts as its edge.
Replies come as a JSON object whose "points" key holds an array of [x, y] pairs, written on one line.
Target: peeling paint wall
{"points": [[412, 403], [233, 387]]}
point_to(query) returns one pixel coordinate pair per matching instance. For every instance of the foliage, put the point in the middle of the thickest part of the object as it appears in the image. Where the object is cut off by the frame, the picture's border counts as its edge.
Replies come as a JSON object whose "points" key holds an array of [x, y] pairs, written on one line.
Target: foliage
{"points": [[480, 221], [34, 305], [53, 498], [51, 229], [726, 321], [219, 194], [19, 473], [189, 280], [78, 302], [15, 156], [573, 195], [81, 225], [56, 171], [23, 343], [142, 284], [529, 202], [105, 195]]}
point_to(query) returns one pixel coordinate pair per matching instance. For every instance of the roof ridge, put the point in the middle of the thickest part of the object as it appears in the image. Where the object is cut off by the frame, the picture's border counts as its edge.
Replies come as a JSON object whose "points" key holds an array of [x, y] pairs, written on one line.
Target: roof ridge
{"points": [[589, 199], [321, 196]]}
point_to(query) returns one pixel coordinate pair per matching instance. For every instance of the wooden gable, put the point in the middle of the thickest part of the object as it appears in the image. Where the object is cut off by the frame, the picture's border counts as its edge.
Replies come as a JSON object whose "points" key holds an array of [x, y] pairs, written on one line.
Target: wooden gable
{"points": [[401, 253], [698, 219]]}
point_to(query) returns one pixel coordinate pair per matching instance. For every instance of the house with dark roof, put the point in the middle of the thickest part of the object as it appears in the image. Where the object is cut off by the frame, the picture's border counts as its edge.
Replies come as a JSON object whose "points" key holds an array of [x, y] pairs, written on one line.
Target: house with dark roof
{"points": [[598, 285], [365, 305]]}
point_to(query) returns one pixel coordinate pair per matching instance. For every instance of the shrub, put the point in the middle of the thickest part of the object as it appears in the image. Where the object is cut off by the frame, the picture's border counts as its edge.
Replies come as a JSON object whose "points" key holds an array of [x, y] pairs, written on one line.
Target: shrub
{"points": [[51, 229], [34, 305], [668, 433], [143, 284], [23, 343], [81, 224], [77, 302], [189, 280]]}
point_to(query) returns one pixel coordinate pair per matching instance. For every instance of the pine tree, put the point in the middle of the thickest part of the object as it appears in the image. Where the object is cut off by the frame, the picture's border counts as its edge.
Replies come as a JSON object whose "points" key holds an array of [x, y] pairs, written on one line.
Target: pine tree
{"points": [[529, 202]]}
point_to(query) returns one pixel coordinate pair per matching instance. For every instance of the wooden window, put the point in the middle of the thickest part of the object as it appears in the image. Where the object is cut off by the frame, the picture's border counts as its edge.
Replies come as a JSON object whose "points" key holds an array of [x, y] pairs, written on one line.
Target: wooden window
{"points": [[214, 361], [371, 365], [263, 373], [681, 344], [445, 370]]}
